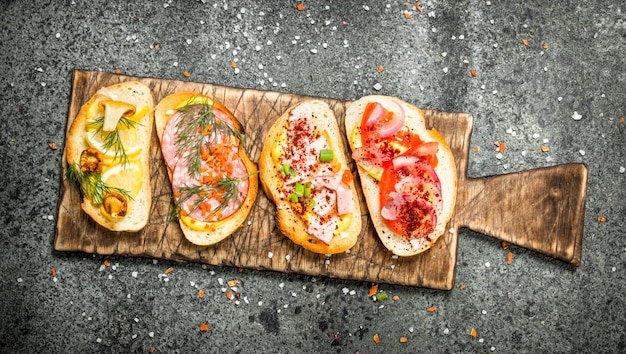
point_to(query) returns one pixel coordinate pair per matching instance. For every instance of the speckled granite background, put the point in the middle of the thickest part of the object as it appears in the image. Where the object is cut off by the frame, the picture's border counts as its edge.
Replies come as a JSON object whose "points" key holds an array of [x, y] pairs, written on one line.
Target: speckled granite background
{"points": [[525, 95]]}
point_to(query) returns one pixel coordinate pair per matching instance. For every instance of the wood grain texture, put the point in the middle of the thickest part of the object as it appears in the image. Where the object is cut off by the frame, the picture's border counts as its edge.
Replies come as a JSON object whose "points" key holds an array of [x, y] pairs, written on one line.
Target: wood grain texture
{"points": [[489, 205]]}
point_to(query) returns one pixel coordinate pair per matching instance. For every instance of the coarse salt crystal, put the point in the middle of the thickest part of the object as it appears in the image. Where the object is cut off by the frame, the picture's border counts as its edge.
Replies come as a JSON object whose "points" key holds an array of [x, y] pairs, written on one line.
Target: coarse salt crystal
{"points": [[236, 70], [487, 264], [98, 340], [576, 116], [411, 329], [58, 35], [151, 334], [270, 254], [136, 320], [446, 331], [451, 230], [134, 274], [484, 312], [345, 290], [288, 257], [546, 140], [445, 70], [260, 303], [559, 99], [499, 156], [281, 285], [377, 86], [313, 50], [481, 340], [461, 37], [19, 280], [128, 296], [622, 169], [494, 92], [444, 54], [582, 152], [188, 41]]}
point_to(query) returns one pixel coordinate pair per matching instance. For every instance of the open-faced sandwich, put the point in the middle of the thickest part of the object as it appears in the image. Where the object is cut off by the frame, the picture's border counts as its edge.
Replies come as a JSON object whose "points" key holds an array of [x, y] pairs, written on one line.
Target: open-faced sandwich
{"points": [[107, 153], [407, 172], [213, 180], [304, 171]]}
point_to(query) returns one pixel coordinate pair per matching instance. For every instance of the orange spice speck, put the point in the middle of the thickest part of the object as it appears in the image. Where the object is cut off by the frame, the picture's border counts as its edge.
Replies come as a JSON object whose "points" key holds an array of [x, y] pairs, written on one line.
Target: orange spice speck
{"points": [[502, 147], [380, 68], [601, 219], [376, 338], [169, 270], [473, 72], [544, 148], [403, 339], [545, 46], [432, 309], [233, 64], [118, 71], [229, 295], [373, 290], [52, 146], [233, 282], [240, 269], [186, 73], [201, 293], [462, 286], [53, 272], [524, 42], [152, 349], [106, 263], [621, 119], [300, 7], [418, 7], [396, 298], [509, 258], [204, 327], [473, 333], [476, 148], [504, 245], [408, 14]]}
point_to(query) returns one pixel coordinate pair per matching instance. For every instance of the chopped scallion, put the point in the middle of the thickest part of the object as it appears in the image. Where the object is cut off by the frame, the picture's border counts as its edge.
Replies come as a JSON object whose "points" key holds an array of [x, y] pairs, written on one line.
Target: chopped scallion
{"points": [[326, 155]]}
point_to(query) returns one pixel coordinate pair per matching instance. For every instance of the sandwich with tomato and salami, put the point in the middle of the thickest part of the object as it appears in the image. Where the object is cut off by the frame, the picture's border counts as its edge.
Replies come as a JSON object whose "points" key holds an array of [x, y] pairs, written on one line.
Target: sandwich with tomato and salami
{"points": [[305, 172], [214, 182], [407, 172]]}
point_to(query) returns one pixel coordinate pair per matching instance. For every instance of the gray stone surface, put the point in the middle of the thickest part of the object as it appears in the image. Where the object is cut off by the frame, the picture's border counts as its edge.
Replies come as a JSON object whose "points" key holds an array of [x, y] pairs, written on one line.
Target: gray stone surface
{"points": [[524, 95]]}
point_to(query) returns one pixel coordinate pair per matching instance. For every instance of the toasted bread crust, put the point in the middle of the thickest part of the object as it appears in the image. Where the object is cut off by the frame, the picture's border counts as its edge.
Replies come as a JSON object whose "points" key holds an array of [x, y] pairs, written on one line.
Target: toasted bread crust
{"points": [[139, 95], [446, 170], [289, 223], [215, 231]]}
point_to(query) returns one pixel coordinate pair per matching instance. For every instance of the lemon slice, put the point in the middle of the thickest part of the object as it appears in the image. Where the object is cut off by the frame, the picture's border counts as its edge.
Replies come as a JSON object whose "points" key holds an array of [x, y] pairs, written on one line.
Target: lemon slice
{"points": [[127, 136], [124, 176]]}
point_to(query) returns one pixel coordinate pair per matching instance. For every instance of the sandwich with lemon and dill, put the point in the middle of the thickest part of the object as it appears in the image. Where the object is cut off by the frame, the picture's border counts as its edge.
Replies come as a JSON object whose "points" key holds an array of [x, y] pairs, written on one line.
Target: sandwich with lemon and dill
{"points": [[107, 153]]}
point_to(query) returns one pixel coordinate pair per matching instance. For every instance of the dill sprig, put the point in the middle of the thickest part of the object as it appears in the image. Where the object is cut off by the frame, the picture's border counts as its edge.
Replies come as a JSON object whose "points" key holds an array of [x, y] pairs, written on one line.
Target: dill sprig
{"points": [[228, 187], [91, 185], [196, 119], [112, 139]]}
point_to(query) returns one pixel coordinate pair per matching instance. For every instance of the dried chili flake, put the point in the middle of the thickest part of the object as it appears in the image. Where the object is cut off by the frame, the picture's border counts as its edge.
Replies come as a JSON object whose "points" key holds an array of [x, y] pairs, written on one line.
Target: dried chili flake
{"points": [[504, 245], [418, 7], [186, 73], [502, 147], [233, 282], [201, 293], [106, 263], [621, 119], [525, 42], [380, 68], [300, 7], [476, 148], [53, 272], [229, 295], [408, 15], [240, 269], [396, 298], [473, 333], [169, 270], [462, 286], [473, 72], [403, 339], [545, 46], [432, 309], [204, 327], [152, 349], [376, 338], [601, 219], [233, 65], [52, 146], [509, 258], [373, 290], [118, 71]]}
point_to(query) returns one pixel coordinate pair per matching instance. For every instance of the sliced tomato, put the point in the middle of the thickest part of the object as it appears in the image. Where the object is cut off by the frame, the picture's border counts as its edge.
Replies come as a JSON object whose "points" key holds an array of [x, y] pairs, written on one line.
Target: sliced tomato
{"points": [[410, 197], [427, 151]]}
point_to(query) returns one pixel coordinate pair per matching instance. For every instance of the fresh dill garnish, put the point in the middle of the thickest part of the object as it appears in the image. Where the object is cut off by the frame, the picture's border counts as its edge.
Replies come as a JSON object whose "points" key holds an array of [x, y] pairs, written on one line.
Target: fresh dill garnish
{"points": [[226, 186], [112, 139], [91, 185], [196, 119]]}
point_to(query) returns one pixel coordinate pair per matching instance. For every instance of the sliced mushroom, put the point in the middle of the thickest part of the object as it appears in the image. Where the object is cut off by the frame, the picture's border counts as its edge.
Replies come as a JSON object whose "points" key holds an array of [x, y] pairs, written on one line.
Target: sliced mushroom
{"points": [[115, 204], [113, 112], [91, 160]]}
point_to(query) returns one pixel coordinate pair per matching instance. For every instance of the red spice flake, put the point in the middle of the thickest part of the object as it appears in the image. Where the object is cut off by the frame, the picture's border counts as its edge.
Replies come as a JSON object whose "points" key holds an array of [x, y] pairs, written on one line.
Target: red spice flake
{"points": [[432, 309], [157, 46], [380, 68], [396, 298], [233, 64], [376, 338], [169, 270], [373, 290], [106, 263], [462, 286], [300, 7], [233, 282], [621, 119], [545, 46], [504, 245], [502, 147], [118, 71], [229, 295], [544, 148], [201, 293], [403, 339], [473, 72], [524, 42], [204, 327], [476, 148], [186, 73], [408, 14], [473, 333], [240, 269], [52, 146], [418, 7], [53, 272], [509, 258], [601, 219]]}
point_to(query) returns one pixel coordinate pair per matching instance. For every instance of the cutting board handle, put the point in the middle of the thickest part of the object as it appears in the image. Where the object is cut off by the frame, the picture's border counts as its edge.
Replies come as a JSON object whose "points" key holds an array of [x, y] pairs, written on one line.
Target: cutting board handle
{"points": [[541, 209]]}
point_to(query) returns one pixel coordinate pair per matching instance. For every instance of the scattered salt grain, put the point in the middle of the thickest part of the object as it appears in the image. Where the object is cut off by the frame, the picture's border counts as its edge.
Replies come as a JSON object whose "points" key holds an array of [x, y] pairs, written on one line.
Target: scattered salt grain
{"points": [[582, 152], [58, 35], [495, 92], [98, 340], [484, 312], [281, 285], [111, 276], [499, 156], [54, 279], [175, 63], [136, 320], [260, 303], [576, 116], [345, 290], [622, 169], [19, 280], [451, 230], [377, 86], [446, 331], [288, 257], [128, 296], [613, 269], [411, 329], [495, 45], [134, 274], [481, 340], [151, 334], [313, 50], [50, 217], [236, 70], [270, 254], [487, 264], [444, 54], [188, 41], [445, 70], [461, 37], [559, 99], [43, 84], [546, 140]]}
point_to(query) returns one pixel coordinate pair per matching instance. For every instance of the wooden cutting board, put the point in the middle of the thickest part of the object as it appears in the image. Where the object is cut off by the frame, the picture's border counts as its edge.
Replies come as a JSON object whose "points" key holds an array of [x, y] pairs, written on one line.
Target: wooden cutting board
{"points": [[540, 209]]}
